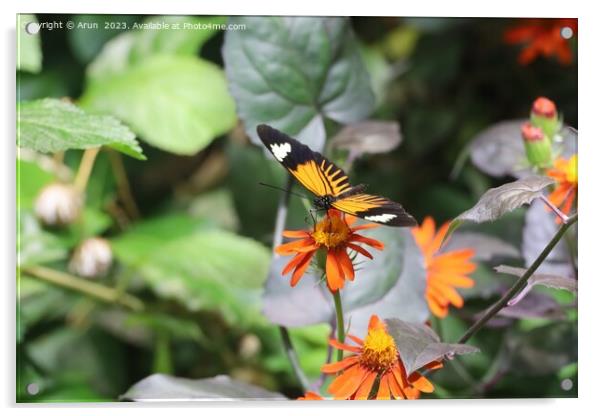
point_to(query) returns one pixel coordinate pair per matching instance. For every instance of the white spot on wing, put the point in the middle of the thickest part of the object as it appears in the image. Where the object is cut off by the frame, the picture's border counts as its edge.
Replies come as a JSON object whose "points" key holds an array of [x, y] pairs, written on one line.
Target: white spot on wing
{"points": [[280, 151], [384, 218]]}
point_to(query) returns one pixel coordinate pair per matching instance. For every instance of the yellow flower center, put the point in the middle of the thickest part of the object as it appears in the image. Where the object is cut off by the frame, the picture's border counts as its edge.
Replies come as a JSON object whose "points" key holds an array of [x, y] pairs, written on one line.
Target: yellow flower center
{"points": [[379, 352], [571, 170], [331, 232]]}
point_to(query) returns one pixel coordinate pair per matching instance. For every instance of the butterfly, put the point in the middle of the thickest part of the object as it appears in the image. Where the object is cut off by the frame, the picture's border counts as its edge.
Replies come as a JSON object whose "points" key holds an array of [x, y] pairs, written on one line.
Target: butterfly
{"points": [[329, 183]]}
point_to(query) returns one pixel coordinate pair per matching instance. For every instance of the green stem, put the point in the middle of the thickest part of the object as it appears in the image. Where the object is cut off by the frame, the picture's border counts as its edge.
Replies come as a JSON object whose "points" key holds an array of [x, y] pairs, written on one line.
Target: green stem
{"points": [[93, 290], [340, 322], [519, 284]]}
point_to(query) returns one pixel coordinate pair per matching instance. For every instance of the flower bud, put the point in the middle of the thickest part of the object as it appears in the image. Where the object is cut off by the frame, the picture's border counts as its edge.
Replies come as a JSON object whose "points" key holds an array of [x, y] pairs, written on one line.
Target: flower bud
{"points": [[92, 258], [537, 146], [58, 205], [545, 116]]}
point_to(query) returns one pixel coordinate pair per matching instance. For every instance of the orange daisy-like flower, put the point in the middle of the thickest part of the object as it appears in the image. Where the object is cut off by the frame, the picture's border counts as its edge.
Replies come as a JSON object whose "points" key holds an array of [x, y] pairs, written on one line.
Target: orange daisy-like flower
{"points": [[542, 37], [444, 271], [564, 173], [335, 234], [375, 365]]}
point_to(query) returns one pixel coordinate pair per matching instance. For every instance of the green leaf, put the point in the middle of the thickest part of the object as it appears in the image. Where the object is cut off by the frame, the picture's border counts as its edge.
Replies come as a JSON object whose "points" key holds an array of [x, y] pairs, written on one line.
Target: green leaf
{"points": [[134, 46], [36, 246], [51, 125], [164, 387], [499, 201], [292, 72], [29, 49], [419, 345], [176, 103], [207, 269], [391, 285]]}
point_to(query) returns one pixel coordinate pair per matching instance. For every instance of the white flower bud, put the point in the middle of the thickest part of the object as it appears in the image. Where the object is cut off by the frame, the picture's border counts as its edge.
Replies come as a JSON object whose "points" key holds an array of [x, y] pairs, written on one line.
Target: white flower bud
{"points": [[92, 258], [250, 346], [58, 205]]}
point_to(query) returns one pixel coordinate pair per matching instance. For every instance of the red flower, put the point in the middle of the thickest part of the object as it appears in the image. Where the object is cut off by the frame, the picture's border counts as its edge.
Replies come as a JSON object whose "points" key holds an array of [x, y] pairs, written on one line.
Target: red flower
{"points": [[335, 234], [542, 37]]}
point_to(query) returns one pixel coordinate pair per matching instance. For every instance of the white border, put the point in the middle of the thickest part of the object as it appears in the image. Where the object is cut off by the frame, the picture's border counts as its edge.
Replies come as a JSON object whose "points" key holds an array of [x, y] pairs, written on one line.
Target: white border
{"points": [[590, 148]]}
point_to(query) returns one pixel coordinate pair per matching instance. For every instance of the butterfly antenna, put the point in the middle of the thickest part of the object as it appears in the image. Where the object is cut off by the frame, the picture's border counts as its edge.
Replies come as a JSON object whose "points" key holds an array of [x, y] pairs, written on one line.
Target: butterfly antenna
{"points": [[284, 190]]}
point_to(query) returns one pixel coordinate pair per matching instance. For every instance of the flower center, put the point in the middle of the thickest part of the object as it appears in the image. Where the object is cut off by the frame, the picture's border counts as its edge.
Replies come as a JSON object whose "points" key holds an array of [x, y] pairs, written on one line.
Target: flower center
{"points": [[571, 171], [331, 232], [379, 352]]}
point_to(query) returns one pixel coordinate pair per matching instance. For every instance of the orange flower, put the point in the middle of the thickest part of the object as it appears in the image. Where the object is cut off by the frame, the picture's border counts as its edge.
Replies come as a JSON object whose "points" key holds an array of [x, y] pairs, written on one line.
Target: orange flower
{"points": [[564, 173], [542, 37], [310, 395], [444, 271], [335, 233], [375, 363]]}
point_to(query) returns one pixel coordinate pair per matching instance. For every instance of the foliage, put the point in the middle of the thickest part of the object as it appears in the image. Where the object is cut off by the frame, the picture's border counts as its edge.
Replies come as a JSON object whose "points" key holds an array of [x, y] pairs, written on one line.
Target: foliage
{"points": [[195, 303]]}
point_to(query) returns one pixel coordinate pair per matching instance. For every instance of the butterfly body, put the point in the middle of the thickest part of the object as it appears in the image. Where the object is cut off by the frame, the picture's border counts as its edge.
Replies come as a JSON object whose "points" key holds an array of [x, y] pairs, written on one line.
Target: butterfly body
{"points": [[329, 183]]}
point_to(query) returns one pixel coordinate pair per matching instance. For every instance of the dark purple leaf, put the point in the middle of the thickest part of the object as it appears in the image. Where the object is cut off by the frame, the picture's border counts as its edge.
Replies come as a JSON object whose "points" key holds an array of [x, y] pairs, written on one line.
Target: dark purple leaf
{"points": [[368, 137], [535, 305], [419, 345]]}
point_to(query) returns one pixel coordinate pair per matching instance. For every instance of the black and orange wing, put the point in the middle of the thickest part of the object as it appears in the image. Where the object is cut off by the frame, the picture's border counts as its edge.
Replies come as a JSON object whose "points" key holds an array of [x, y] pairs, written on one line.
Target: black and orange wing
{"points": [[375, 208], [311, 169], [322, 177]]}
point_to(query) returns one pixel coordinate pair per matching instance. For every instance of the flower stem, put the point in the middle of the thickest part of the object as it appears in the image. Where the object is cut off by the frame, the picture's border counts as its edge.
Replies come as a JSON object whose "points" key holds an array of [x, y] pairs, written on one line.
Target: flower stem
{"points": [[85, 168], [553, 207], [276, 241], [519, 284], [123, 185], [340, 322], [93, 290]]}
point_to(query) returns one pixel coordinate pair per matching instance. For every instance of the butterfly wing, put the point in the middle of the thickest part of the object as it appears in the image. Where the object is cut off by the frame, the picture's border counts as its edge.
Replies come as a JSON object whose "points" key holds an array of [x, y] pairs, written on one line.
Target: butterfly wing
{"points": [[311, 169], [376, 209], [322, 177]]}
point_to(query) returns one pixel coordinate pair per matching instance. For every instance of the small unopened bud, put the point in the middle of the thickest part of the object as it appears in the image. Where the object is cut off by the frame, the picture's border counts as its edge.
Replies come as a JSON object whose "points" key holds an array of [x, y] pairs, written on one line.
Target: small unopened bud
{"points": [[537, 146], [58, 205], [92, 258], [545, 116], [544, 107], [250, 345]]}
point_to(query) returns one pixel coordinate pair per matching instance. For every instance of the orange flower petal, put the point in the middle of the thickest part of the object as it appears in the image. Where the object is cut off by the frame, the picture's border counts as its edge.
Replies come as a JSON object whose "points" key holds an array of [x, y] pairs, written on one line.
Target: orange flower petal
{"points": [[296, 247], [334, 275], [344, 347], [301, 268], [339, 365], [375, 323], [360, 250], [452, 279], [345, 263], [363, 392], [294, 263], [347, 383], [384, 393], [448, 292], [394, 386], [355, 339], [420, 382], [436, 308], [366, 240], [365, 227], [295, 234]]}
